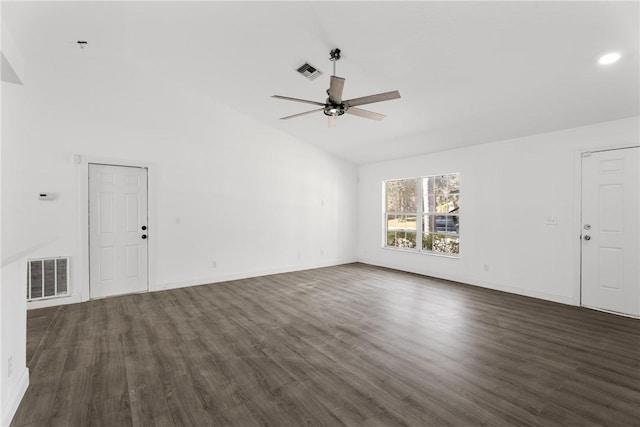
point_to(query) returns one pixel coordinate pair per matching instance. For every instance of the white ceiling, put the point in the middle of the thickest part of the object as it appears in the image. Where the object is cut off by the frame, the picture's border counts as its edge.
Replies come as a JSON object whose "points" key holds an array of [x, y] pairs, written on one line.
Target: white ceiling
{"points": [[468, 72]]}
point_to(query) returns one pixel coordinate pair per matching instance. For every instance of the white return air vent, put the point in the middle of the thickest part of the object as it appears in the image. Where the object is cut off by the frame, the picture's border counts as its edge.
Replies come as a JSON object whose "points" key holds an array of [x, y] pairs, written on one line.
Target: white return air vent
{"points": [[47, 278], [309, 71]]}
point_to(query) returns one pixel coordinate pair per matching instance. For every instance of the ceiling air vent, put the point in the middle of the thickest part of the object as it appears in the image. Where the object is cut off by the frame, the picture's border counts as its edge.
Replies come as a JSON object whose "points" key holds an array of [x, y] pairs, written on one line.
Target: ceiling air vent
{"points": [[309, 71]]}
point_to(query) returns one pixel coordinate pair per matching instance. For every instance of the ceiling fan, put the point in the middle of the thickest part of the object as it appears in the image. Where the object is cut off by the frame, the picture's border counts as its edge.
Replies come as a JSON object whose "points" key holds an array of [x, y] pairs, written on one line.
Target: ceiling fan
{"points": [[335, 106]]}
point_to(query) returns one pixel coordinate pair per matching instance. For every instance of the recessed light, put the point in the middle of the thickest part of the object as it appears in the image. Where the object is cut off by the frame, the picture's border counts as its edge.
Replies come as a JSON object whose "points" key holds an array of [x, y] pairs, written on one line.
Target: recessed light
{"points": [[609, 58]]}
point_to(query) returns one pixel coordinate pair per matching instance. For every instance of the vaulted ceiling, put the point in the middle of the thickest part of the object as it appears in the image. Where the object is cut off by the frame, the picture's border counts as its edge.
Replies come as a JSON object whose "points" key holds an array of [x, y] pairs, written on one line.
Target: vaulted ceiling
{"points": [[468, 72]]}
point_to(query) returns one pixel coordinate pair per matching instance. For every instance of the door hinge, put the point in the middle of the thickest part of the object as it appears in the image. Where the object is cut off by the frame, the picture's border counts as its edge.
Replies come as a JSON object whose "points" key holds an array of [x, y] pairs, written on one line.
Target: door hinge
{"points": [[586, 154]]}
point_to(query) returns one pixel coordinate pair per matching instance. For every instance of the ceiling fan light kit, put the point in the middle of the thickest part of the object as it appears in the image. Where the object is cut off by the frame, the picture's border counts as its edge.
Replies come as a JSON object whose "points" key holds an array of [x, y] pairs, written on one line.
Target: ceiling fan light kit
{"points": [[335, 106]]}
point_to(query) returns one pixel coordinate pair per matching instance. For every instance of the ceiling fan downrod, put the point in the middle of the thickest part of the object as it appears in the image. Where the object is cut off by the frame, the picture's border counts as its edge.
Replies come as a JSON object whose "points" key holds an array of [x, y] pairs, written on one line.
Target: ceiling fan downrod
{"points": [[331, 108], [334, 56]]}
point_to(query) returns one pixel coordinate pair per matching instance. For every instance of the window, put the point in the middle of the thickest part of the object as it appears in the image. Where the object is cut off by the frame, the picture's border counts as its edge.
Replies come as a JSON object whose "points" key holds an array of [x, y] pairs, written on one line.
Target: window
{"points": [[401, 212], [441, 214], [427, 223]]}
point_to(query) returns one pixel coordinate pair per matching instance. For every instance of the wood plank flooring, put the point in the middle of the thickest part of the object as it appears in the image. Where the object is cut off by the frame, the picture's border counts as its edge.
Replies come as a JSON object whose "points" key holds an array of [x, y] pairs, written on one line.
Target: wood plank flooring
{"points": [[38, 324], [351, 345]]}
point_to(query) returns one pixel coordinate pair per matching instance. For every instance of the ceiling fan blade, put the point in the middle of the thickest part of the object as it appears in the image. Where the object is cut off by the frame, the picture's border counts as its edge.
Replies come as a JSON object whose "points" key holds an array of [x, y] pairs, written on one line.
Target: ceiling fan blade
{"points": [[287, 98], [386, 96], [365, 113], [333, 121], [335, 89], [300, 114]]}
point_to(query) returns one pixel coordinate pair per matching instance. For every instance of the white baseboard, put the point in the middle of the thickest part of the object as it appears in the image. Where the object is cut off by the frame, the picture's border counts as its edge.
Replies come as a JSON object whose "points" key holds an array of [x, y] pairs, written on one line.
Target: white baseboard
{"points": [[243, 275], [11, 405], [76, 298], [562, 299]]}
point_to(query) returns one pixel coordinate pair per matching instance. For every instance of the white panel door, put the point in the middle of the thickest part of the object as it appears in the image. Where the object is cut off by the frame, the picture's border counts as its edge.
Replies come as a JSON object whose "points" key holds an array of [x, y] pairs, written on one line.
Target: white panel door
{"points": [[611, 231], [118, 248]]}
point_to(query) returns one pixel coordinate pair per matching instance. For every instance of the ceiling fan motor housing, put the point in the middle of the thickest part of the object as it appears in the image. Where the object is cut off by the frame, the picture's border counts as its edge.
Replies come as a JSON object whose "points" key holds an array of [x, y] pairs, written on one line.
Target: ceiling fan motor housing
{"points": [[333, 109]]}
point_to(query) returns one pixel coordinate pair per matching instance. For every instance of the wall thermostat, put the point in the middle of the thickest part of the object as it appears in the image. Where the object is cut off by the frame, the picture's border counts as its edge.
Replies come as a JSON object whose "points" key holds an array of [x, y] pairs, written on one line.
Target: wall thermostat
{"points": [[46, 196]]}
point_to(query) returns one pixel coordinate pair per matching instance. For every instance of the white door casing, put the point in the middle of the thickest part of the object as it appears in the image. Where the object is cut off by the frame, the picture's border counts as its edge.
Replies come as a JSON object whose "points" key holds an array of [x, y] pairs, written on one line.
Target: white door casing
{"points": [[118, 247], [610, 264]]}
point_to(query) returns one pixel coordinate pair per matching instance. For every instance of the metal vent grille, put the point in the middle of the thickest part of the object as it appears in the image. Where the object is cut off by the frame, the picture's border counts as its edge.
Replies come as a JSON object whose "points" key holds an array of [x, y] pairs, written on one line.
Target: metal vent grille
{"points": [[309, 71], [47, 278]]}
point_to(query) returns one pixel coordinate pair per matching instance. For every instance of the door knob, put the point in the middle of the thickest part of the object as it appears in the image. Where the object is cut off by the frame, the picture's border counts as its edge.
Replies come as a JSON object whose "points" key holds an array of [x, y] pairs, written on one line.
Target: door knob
{"points": [[144, 236], [587, 237]]}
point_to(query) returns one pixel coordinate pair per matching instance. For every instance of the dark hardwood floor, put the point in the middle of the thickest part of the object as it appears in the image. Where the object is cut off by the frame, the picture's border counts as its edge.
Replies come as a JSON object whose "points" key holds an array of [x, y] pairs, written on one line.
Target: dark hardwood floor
{"points": [[349, 345], [38, 324]]}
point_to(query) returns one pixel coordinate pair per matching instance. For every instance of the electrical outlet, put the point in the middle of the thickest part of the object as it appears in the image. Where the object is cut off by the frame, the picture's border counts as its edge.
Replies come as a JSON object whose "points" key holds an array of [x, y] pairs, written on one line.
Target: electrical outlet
{"points": [[486, 267], [214, 264]]}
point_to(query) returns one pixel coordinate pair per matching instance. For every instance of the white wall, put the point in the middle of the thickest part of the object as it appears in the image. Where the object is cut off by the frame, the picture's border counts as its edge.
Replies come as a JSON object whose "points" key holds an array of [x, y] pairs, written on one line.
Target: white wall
{"points": [[223, 187], [508, 188], [14, 375]]}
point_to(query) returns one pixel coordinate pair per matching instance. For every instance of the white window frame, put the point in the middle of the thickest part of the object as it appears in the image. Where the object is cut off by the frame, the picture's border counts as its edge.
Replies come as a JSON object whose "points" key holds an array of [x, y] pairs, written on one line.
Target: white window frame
{"points": [[386, 213], [420, 214]]}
